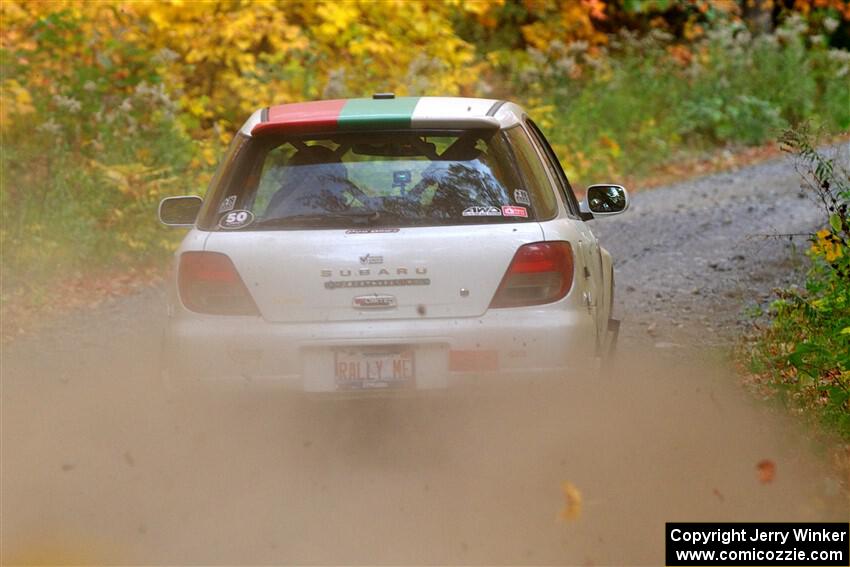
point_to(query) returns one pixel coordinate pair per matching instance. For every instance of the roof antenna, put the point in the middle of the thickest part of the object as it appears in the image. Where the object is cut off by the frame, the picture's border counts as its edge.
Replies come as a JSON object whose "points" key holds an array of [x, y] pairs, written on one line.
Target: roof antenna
{"points": [[383, 96]]}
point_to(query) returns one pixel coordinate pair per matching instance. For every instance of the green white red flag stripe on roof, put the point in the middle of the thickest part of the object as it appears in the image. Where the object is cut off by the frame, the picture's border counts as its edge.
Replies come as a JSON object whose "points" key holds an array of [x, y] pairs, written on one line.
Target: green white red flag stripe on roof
{"points": [[367, 113]]}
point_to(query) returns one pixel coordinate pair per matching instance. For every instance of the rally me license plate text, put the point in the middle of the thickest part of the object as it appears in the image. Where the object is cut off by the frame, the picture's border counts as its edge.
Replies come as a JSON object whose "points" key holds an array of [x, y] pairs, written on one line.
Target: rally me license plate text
{"points": [[373, 367]]}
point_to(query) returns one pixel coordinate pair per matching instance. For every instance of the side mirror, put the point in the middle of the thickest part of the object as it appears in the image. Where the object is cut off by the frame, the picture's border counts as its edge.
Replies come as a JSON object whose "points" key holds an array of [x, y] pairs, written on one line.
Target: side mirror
{"points": [[604, 199], [180, 211]]}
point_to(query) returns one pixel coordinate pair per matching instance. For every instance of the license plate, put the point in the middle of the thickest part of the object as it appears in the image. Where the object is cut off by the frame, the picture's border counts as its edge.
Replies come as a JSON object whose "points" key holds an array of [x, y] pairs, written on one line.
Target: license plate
{"points": [[376, 367]]}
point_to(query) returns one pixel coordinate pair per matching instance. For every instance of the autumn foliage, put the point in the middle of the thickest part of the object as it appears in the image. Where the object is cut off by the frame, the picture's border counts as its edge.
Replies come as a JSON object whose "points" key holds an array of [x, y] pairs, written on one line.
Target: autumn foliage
{"points": [[107, 106], [802, 355]]}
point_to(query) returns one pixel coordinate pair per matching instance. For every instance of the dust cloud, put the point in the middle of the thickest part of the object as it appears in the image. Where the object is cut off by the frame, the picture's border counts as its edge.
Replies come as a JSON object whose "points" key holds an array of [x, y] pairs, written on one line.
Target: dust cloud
{"points": [[100, 464]]}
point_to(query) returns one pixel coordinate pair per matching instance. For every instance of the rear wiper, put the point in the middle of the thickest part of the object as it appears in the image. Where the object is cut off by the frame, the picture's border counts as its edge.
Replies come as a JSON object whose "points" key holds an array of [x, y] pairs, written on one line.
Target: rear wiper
{"points": [[366, 217]]}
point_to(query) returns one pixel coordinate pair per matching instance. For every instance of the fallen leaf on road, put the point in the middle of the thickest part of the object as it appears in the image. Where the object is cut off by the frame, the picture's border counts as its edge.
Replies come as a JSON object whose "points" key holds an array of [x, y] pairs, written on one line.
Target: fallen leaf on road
{"points": [[572, 503], [766, 471]]}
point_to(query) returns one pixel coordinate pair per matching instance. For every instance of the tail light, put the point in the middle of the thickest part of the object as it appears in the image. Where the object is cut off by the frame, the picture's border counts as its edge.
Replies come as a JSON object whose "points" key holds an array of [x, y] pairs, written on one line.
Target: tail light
{"points": [[209, 283], [541, 272]]}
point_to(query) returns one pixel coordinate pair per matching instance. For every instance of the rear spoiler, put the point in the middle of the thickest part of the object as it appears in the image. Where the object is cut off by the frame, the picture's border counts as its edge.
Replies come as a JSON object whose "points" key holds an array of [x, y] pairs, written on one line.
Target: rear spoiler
{"points": [[443, 113]]}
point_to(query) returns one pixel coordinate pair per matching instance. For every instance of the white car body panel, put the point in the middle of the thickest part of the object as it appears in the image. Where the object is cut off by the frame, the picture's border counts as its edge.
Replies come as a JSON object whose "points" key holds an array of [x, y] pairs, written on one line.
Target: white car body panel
{"points": [[303, 323], [287, 271], [249, 351], [295, 351], [453, 112]]}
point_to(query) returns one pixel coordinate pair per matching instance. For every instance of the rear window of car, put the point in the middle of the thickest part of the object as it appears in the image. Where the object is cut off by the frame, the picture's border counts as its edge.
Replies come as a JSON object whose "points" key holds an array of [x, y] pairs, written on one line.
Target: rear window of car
{"points": [[380, 179]]}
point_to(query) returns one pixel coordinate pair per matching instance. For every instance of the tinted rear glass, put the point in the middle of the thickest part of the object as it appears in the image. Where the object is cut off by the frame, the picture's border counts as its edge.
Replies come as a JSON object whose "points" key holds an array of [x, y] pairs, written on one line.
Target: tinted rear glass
{"points": [[381, 179]]}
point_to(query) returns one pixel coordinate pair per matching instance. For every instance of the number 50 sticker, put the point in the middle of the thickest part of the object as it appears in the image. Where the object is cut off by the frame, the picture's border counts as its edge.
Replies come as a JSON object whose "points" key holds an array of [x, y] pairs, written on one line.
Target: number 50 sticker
{"points": [[236, 219]]}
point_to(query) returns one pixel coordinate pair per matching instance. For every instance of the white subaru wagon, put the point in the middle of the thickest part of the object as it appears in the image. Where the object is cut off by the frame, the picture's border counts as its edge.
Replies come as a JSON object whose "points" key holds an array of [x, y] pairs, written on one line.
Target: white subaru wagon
{"points": [[384, 243]]}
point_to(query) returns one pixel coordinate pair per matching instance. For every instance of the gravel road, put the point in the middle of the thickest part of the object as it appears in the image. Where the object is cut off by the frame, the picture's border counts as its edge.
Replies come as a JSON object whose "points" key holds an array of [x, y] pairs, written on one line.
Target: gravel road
{"points": [[100, 465], [691, 256]]}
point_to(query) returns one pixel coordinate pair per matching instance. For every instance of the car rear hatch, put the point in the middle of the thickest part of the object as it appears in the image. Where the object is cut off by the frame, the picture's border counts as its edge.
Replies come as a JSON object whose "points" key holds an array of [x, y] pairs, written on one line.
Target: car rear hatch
{"points": [[337, 275]]}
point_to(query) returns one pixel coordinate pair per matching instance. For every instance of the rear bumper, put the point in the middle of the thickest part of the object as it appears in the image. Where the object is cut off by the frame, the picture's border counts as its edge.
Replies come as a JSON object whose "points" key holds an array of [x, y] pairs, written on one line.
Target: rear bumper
{"points": [[504, 344]]}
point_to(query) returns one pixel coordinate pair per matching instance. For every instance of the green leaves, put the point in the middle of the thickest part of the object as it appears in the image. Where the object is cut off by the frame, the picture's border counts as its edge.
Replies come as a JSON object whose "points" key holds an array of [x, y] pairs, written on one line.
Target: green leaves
{"points": [[805, 354]]}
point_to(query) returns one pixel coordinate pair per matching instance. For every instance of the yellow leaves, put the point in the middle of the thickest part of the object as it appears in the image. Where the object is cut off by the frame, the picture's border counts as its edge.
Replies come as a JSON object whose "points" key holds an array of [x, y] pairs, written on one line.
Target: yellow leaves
{"points": [[134, 180], [482, 9], [208, 152], [159, 17], [596, 8], [15, 100], [477, 7], [222, 51], [827, 245], [195, 106], [381, 45], [224, 136], [132, 242], [544, 113], [336, 18], [834, 253], [210, 155], [223, 58], [693, 31], [572, 501], [564, 21]]}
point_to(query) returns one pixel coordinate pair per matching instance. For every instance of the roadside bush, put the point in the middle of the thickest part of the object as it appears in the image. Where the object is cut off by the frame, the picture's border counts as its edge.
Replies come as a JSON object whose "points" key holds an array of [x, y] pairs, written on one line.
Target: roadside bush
{"points": [[88, 150], [107, 106], [804, 355], [625, 108]]}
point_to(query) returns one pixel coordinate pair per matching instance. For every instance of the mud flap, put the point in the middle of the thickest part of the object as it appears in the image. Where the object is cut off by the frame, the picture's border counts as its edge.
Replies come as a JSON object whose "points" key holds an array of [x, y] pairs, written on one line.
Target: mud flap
{"points": [[613, 337], [610, 347]]}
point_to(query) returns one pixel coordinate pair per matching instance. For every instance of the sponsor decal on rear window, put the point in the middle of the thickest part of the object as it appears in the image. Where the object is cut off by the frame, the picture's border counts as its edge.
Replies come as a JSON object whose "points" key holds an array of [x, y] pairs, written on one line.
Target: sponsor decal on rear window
{"points": [[227, 204], [509, 211], [236, 219], [521, 197], [482, 212]]}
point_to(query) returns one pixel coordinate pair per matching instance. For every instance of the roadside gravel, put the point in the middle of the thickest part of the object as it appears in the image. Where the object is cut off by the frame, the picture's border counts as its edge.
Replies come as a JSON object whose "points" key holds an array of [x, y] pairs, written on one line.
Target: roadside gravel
{"points": [[691, 257], [101, 465]]}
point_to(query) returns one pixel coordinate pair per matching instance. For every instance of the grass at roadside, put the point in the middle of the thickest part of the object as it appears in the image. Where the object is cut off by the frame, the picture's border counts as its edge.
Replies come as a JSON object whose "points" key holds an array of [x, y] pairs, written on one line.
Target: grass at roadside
{"points": [[26, 308], [94, 139], [802, 357], [646, 100]]}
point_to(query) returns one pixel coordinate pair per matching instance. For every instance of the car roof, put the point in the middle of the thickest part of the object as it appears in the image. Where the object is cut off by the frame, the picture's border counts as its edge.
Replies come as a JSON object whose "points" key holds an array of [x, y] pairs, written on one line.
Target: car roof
{"points": [[383, 112]]}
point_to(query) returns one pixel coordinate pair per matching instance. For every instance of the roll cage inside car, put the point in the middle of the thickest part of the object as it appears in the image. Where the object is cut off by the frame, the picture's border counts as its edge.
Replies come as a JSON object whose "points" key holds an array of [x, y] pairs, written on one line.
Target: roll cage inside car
{"points": [[246, 153]]}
